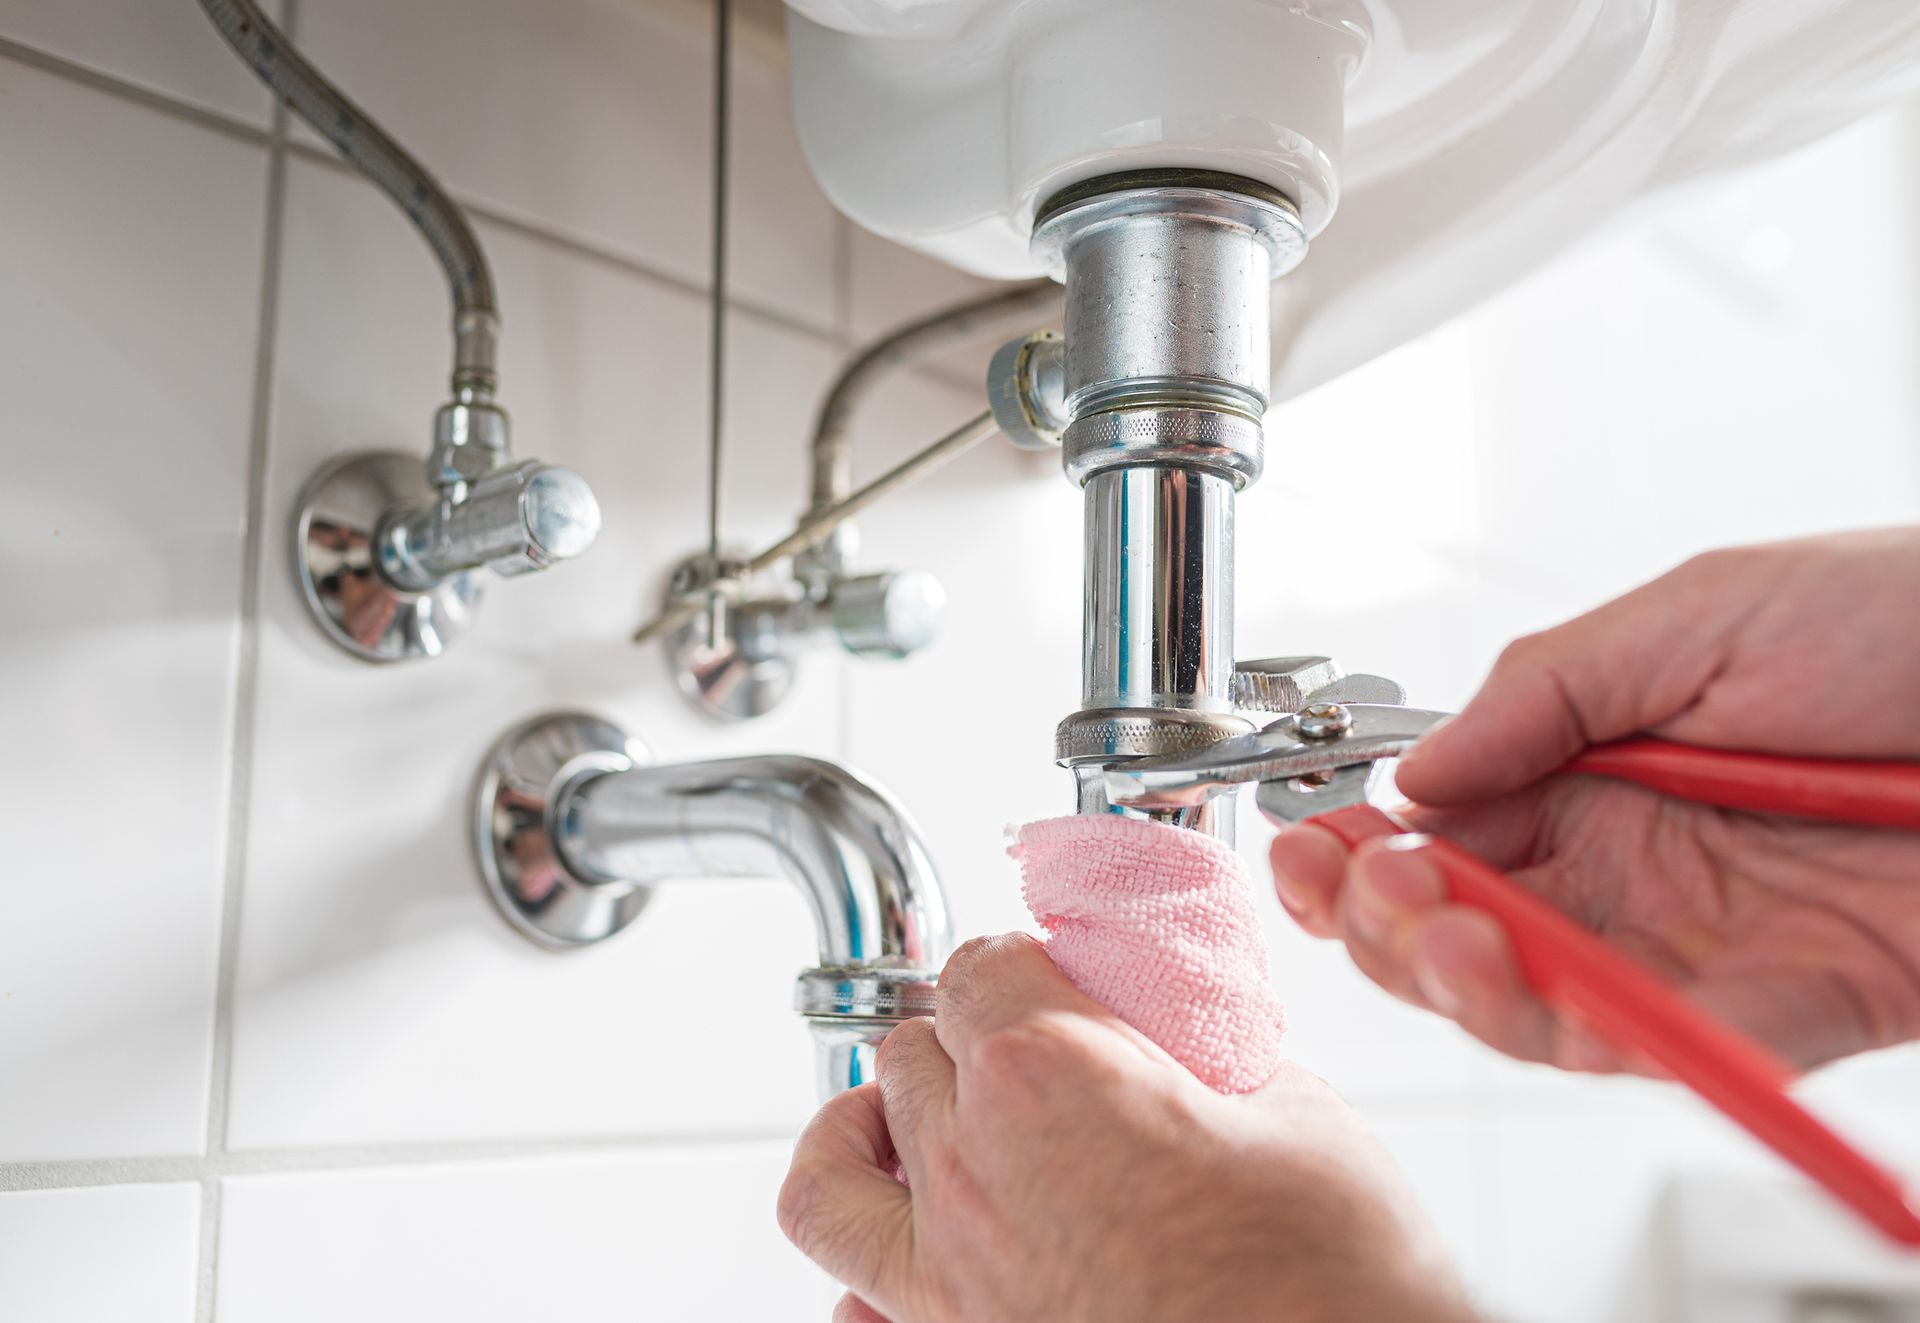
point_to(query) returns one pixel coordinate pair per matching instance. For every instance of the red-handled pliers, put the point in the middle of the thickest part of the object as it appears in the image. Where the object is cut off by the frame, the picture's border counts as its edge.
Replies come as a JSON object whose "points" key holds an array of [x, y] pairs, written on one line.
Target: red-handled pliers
{"points": [[1569, 968]]}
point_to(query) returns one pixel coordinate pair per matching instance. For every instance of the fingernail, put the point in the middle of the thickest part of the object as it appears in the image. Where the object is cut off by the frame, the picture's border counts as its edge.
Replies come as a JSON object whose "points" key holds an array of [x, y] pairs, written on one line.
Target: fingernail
{"points": [[1419, 751], [1299, 856], [1290, 893], [1391, 887], [1439, 987], [1455, 960]]}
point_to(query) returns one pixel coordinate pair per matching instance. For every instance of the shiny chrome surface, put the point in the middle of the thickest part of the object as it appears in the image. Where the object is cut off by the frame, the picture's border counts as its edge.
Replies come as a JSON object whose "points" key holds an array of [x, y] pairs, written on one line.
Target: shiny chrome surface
{"points": [[732, 654], [1159, 590], [1166, 378], [1284, 685], [1102, 734], [843, 1052], [1168, 294], [337, 545], [864, 991], [1027, 389], [850, 848], [513, 521], [890, 615], [1310, 744], [512, 829], [573, 830], [472, 436], [1222, 444]]}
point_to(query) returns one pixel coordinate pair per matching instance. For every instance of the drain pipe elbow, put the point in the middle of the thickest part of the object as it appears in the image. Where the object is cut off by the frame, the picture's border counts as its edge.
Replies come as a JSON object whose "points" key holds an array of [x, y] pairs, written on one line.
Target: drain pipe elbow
{"points": [[576, 829]]}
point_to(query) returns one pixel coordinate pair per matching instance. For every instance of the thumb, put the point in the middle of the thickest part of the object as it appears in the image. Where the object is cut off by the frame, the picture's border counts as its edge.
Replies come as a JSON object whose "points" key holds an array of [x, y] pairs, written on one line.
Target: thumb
{"points": [[842, 1207], [1626, 667]]}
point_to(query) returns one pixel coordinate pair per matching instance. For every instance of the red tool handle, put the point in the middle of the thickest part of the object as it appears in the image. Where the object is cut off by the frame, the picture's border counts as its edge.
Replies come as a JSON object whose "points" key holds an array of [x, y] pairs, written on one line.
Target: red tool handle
{"points": [[1623, 1004], [1872, 794]]}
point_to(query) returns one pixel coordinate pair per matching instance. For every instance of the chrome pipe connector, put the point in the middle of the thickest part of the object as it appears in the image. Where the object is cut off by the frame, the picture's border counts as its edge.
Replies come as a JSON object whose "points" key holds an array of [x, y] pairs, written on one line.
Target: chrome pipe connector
{"points": [[574, 830], [737, 655], [388, 550], [1027, 390], [1166, 373], [384, 554], [515, 521]]}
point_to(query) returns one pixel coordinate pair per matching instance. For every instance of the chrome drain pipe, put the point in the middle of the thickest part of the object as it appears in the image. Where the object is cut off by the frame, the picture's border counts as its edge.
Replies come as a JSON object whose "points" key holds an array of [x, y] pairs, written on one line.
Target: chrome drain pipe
{"points": [[575, 828], [1167, 366]]}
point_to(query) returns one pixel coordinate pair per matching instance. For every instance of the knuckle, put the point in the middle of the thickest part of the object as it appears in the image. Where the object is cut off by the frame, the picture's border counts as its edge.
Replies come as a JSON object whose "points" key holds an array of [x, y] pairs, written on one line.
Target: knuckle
{"points": [[902, 1038], [795, 1208], [1715, 570], [1528, 652], [978, 953], [1028, 1048]]}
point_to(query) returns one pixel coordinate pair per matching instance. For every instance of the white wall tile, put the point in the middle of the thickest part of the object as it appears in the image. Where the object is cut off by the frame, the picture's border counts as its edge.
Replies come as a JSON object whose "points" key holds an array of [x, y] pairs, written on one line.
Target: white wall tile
{"points": [[963, 732], [126, 361], [592, 117], [890, 286], [894, 284], [169, 48], [109, 1254], [381, 998], [667, 1235], [1730, 368], [783, 233]]}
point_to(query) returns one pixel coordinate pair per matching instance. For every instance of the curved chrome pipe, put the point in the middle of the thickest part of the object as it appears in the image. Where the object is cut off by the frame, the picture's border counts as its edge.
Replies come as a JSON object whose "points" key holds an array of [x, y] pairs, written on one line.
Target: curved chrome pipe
{"points": [[849, 847], [575, 829]]}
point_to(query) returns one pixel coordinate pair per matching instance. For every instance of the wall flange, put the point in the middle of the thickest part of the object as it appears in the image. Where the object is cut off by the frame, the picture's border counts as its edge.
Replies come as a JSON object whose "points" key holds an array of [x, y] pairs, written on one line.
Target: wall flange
{"points": [[336, 534], [530, 769]]}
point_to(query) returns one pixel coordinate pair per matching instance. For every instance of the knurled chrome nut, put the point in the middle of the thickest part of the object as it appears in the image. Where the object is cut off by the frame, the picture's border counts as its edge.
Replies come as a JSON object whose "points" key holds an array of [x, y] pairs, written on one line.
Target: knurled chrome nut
{"points": [[866, 992], [1106, 734], [1223, 444]]}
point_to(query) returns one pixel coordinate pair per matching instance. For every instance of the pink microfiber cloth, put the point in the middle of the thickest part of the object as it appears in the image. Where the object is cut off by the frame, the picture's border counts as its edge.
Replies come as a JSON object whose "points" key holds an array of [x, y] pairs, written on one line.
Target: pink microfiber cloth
{"points": [[1156, 923]]}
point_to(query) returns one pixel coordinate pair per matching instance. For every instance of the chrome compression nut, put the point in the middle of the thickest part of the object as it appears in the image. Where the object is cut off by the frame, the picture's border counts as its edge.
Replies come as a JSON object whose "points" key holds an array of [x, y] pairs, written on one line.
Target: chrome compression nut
{"points": [[471, 438], [868, 992], [1226, 444], [1107, 734]]}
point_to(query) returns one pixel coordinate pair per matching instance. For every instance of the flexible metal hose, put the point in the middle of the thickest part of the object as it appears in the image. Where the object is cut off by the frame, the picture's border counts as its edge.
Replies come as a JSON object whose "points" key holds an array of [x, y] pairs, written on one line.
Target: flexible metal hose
{"points": [[832, 430], [373, 152]]}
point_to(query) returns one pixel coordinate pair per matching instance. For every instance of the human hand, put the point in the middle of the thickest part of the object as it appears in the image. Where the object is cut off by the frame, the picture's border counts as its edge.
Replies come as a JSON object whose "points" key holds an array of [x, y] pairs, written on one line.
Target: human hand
{"points": [[1064, 1168], [1805, 935]]}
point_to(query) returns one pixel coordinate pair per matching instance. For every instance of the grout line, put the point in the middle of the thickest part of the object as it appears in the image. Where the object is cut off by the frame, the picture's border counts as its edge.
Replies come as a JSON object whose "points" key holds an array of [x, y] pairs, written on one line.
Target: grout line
{"points": [[242, 131], [246, 704], [81, 1173], [717, 283], [843, 679], [47, 62], [836, 334]]}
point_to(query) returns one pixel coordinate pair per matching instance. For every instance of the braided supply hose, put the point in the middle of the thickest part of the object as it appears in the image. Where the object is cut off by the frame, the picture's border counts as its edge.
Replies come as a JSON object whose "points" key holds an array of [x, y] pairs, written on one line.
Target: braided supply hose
{"points": [[372, 151]]}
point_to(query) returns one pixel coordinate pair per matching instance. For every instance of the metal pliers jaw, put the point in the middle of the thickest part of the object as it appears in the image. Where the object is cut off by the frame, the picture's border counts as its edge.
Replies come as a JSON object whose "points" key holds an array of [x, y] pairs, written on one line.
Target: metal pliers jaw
{"points": [[1323, 757]]}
